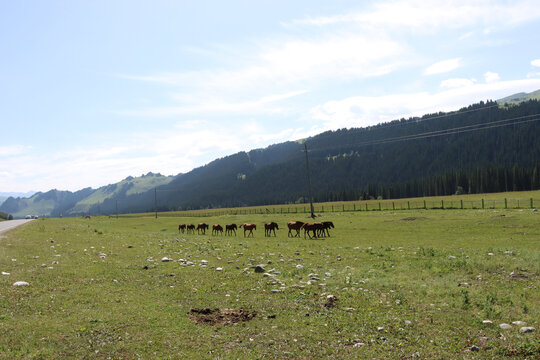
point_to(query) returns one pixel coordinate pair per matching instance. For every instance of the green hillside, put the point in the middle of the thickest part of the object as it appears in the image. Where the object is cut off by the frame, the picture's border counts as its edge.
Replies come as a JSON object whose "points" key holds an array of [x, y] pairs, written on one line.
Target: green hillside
{"points": [[124, 188], [519, 98]]}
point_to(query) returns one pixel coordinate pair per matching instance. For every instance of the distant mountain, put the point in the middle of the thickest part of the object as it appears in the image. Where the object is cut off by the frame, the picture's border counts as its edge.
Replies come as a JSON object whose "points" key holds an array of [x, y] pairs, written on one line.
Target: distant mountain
{"points": [[481, 148], [5, 195], [520, 97], [65, 203]]}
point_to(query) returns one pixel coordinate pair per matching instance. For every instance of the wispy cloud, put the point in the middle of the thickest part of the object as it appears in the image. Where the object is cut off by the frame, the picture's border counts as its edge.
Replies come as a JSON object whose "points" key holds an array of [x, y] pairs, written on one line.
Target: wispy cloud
{"points": [[444, 66], [536, 62], [360, 111]]}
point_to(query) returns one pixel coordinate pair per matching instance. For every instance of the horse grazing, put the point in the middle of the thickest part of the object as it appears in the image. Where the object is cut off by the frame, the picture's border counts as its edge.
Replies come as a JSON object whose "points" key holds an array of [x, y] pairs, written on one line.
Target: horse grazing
{"points": [[315, 227], [202, 228], [326, 226], [250, 228], [269, 227], [190, 228], [181, 228], [230, 228], [217, 228], [294, 225]]}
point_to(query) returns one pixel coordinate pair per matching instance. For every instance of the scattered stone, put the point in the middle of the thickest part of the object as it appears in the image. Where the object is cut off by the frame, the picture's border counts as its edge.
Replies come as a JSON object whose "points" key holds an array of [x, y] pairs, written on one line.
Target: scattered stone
{"points": [[509, 252], [526, 329], [219, 269], [380, 328], [505, 326], [475, 348], [20, 283], [407, 322], [259, 269], [359, 344], [204, 262], [491, 254], [268, 275], [487, 322], [5, 273], [327, 274], [166, 259], [518, 323], [451, 257], [299, 266]]}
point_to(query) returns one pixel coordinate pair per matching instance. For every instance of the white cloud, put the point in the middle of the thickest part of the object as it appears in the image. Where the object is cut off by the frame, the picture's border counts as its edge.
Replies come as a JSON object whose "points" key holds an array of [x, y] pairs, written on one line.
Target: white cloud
{"points": [[456, 83], [207, 104], [361, 111], [10, 150], [536, 62], [444, 66], [491, 77]]}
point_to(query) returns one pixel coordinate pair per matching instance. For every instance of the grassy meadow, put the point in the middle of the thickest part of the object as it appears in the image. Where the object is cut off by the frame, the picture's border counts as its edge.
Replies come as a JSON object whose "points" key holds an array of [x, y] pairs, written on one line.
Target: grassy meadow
{"points": [[403, 284]]}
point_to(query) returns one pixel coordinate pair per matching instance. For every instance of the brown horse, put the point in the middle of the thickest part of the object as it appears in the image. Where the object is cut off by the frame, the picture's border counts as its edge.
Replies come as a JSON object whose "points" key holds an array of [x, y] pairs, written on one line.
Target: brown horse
{"points": [[326, 226], [294, 225], [181, 228], [269, 227], [250, 228], [230, 228], [190, 228], [315, 227], [202, 228], [217, 228]]}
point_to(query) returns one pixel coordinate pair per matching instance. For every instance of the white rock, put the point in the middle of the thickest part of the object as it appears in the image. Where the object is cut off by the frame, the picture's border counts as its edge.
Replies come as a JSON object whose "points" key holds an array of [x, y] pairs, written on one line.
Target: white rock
{"points": [[518, 323], [165, 259], [219, 269], [491, 254], [204, 262], [526, 329], [327, 274], [5, 273], [299, 266], [407, 322], [487, 322], [509, 252], [451, 257], [20, 283], [505, 326], [380, 328]]}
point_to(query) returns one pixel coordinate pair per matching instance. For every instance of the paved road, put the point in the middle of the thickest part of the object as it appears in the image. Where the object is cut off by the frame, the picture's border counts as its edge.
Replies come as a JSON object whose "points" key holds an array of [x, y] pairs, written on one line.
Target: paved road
{"points": [[10, 224]]}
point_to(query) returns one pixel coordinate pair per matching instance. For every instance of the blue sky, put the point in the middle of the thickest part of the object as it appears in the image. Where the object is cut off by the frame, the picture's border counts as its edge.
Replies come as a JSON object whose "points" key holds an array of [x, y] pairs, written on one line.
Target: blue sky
{"points": [[94, 91]]}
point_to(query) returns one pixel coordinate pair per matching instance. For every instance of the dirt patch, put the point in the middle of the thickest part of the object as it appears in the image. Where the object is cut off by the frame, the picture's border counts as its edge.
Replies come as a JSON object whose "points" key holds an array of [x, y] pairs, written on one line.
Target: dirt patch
{"points": [[220, 316], [411, 219]]}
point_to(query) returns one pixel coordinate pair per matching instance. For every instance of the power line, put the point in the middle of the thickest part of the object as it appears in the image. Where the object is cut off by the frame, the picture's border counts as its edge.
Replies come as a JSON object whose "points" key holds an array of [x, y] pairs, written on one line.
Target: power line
{"points": [[461, 129]]}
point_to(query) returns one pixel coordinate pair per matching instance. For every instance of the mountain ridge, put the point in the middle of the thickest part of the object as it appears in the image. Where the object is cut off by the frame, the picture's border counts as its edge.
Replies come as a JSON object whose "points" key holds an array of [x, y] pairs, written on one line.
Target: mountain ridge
{"points": [[345, 164]]}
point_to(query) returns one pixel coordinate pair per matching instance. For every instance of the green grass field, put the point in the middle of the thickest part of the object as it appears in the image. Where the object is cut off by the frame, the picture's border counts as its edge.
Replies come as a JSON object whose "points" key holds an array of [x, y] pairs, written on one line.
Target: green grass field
{"points": [[406, 284]]}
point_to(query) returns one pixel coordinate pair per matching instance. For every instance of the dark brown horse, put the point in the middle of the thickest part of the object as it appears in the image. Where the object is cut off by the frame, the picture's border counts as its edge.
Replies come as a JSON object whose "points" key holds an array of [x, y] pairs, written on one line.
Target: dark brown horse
{"points": [[294, 225], [250, 228], [315, 227], [269, 227], [202, 228], [190, 228], [326, 226], [230, 228], [217, 228], [182, 228]]}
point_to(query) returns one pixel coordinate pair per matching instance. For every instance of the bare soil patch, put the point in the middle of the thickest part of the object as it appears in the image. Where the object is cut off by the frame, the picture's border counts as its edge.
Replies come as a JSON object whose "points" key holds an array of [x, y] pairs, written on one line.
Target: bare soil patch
{"points": [[220, 316]]}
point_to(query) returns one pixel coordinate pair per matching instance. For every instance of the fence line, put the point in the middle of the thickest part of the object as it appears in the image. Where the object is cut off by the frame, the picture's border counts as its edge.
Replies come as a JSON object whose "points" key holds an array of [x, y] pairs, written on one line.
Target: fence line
{"points": [[369, 205]]}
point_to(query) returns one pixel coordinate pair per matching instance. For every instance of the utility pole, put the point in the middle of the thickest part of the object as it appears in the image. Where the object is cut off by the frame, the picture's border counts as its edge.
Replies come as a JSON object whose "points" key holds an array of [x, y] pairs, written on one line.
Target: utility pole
{"points": [[309, 182], [155, 200]]}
